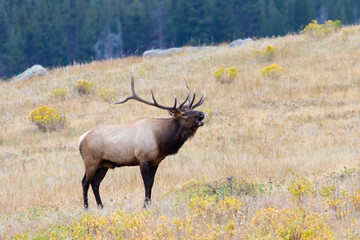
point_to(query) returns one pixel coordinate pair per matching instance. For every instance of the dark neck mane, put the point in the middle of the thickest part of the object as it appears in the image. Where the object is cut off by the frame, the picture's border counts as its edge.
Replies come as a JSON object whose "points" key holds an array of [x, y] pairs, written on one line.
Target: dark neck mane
{"points": [[172, 136]]}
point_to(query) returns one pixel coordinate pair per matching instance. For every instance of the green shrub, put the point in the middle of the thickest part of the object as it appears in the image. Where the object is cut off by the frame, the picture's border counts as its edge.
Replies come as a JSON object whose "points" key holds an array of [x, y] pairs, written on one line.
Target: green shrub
{"points": [[48, 118], [220, 189]]}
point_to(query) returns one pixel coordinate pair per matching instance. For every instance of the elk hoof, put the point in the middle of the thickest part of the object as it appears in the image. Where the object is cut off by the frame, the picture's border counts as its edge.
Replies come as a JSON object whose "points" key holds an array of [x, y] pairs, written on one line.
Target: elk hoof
{"points": [[147, 204]]}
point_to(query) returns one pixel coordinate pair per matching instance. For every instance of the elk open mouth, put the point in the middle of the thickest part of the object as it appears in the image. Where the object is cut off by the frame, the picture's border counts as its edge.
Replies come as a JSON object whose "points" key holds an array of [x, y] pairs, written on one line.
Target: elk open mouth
{"points": [[200, 120], [200, 123]]}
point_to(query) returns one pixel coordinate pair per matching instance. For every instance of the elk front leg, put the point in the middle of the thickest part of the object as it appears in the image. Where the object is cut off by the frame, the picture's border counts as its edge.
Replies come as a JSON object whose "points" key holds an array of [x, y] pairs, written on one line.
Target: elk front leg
{"points": [[148, 174], [95, 184]]}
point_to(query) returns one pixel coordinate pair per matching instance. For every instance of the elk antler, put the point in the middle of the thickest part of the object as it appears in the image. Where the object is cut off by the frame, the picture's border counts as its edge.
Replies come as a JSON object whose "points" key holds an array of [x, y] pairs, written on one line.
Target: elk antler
{"points": [[191, 106], [154, 103], [203, 96]]}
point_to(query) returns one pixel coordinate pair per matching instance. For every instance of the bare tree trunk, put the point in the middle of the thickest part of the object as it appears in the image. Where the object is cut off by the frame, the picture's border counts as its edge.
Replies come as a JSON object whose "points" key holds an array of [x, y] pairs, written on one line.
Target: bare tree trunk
{"points": [[160, 23], [119, 37], [109, 49]]}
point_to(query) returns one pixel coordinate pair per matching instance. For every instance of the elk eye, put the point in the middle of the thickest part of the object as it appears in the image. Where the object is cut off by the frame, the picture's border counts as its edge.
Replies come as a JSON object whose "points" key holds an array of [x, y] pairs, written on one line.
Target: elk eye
{"points": [[184, 115]]}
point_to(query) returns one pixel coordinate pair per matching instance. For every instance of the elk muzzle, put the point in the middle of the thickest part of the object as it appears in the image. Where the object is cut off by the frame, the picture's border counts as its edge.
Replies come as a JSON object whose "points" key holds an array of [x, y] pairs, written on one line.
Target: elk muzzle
{"points": [[201, 117]]}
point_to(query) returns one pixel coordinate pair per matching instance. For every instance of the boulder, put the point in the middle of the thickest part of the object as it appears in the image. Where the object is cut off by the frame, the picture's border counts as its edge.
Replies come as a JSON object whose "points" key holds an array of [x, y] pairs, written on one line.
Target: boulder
{"points": [[36, 70], [171, 51], [240, 42], [161, 52]]}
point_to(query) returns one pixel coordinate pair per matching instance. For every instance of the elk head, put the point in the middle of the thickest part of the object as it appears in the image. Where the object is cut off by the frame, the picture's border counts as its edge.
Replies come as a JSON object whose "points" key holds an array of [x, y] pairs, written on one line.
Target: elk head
{"points": [[182, 112]]}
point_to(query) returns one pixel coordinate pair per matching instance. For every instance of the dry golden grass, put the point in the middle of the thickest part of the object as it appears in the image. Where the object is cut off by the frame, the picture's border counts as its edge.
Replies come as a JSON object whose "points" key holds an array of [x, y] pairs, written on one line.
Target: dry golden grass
{"points": [[306, 122]]}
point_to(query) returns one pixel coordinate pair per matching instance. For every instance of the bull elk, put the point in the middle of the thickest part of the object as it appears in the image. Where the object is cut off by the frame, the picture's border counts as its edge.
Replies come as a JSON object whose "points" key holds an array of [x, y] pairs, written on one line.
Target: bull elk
{"points": [[144, 142]]}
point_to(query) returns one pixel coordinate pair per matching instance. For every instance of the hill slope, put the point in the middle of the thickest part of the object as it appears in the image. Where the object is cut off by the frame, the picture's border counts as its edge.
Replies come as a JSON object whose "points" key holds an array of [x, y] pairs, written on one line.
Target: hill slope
{"points": [[284, 133]]}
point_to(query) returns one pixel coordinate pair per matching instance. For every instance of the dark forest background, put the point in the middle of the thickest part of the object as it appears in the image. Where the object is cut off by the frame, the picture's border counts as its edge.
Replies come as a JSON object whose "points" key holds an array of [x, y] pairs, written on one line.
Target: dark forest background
{"points": [[59, 32]]}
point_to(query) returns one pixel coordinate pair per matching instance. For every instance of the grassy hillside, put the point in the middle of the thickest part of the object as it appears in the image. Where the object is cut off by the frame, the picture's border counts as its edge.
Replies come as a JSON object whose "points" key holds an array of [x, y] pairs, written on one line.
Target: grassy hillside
{"points": [[278, 154]]}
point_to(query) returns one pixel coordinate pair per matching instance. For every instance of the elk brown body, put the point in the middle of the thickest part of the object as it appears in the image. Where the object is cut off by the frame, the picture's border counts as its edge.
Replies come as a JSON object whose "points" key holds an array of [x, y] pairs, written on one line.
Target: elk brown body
{"points": [[144, 142]]}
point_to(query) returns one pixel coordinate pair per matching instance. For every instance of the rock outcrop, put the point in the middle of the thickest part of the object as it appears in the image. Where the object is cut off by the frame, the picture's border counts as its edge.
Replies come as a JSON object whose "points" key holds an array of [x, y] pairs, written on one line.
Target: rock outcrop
{"points": [[36, 70], [171, 51], [239, 42]]}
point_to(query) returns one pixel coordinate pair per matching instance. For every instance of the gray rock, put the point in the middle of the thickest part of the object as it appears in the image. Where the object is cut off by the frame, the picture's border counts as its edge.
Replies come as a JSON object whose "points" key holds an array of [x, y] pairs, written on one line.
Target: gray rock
{"points": [[193, 49], [36, 70], [171, 51], [240, 42], [161, 52]]}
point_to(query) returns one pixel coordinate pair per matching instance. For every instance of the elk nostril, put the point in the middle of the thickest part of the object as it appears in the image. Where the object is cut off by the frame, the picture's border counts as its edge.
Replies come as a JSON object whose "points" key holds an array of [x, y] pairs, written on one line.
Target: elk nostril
{"points": [[202, 115]]}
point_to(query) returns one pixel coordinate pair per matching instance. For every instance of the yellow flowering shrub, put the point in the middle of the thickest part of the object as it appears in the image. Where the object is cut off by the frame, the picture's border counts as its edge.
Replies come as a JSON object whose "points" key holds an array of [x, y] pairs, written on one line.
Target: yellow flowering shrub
{"points": [[48, 118], [273, 71], [301, 187], [268, 53], [58, 94], [274, 223], [219, 72], [106, 94], [215, 209], [209, 112], [226, 75], [335, 199], [208, 216], [356, 200], [222, 222], [353, 232], [85, 87], [221, 210], [315, 30], [219, 216]]}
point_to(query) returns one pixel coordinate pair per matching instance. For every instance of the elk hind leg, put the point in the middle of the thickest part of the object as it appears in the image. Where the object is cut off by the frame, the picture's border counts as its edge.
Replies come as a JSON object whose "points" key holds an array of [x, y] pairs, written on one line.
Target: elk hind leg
{"points": [[88, 176], [85, 184], [95, 184]]}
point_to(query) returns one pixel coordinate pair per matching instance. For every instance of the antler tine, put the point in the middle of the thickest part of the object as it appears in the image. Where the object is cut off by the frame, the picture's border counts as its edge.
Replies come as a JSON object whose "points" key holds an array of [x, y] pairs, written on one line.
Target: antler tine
{"points": [[183, 103], [125, 100], [132, 82], [187, 85], [160, 106], [192, 101], [136, 97], [203, 96], [187, 88], [132, 89], [175, 102]]}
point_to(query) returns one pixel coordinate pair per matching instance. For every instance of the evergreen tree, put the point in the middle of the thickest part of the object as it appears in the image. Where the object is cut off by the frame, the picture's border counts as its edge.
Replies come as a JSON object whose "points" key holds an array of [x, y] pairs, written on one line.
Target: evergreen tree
{"points": [[90, 32], [4, 36], [247, 14], [301, 14], [135, 25], [224, 21]]}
